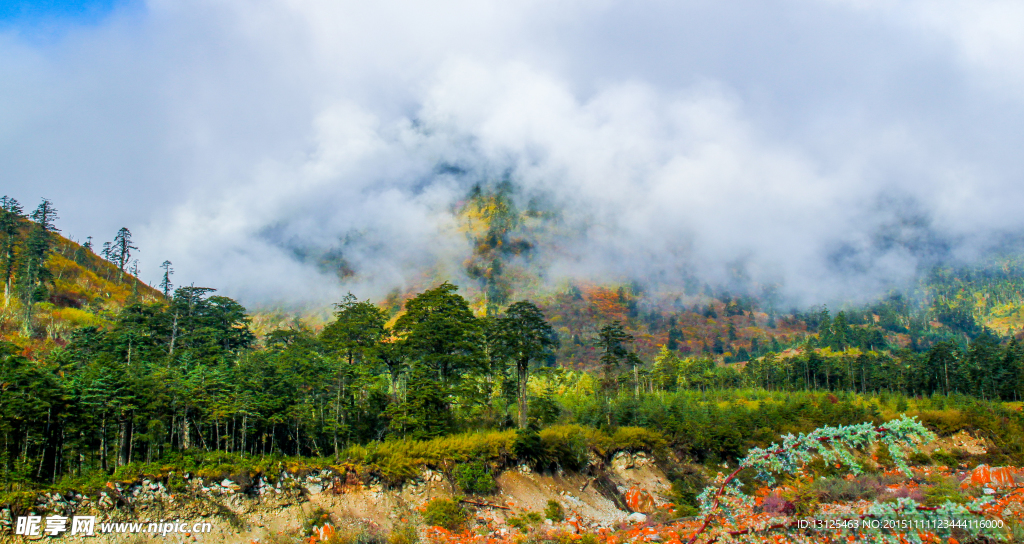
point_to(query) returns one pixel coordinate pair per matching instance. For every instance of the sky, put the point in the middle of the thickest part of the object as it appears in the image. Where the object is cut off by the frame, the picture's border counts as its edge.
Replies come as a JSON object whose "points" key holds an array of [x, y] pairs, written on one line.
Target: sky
{"points": [[832, 147]]}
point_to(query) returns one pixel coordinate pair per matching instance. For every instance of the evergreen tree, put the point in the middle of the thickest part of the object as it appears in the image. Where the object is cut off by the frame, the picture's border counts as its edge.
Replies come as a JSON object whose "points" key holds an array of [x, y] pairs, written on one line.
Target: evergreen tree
{"points": [[666, 369], [357, 328], [442, 333], [121, 251], [10, 217], [33, 273], [522, 335], [165, 283], [674, 337], [612, 340]]}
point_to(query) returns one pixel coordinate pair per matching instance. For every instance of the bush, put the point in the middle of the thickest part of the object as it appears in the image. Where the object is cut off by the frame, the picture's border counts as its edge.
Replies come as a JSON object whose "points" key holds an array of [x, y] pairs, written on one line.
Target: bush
{"points": [[943, 488], [919, 458], [314, 519], [525, 521], [528, 446], [404, 534], [402, 460], [474, 478], [566, 446], [687, 483], [951, 459], [445, 513], [357, 536], [637, 439], [865, 487], [553, 511]]}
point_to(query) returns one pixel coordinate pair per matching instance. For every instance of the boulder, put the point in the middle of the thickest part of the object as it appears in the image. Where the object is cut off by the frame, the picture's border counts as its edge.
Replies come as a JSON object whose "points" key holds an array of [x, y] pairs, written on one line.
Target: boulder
{"points": [[640, 500], [993, 477], [636, 517]]}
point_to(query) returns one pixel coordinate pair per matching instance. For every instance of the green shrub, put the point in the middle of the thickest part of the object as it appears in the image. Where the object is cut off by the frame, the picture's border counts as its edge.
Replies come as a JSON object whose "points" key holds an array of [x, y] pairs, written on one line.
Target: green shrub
{"points": [[828, 490], [951, 459], [687, 483], [568, 445], [474, 478], [404, 534], [553, 511], [942, 489], [919, 458], [445, 513], [637, 439], [528, 446], [570, 538], [883, 457], [362, 535], [525, 521]]}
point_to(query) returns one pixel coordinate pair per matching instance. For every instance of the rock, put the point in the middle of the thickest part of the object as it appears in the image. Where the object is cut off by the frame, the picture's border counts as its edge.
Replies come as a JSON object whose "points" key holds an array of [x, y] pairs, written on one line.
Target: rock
{"points": [[641, 459], [640, 500], [313, 488], [636, 517], [622, 461]]}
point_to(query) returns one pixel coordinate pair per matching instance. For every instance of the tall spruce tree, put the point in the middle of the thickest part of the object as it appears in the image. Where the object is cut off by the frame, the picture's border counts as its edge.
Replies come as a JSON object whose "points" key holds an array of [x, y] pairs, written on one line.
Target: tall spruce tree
{"points": [[522, 335], [612, 340], [122, 248], [165, 284], [34, 274], [10, 218]]}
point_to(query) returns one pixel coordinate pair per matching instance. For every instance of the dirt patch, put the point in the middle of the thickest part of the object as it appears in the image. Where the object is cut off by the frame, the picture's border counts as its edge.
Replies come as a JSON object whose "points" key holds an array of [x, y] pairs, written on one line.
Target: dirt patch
{"points": [[962, 441]]}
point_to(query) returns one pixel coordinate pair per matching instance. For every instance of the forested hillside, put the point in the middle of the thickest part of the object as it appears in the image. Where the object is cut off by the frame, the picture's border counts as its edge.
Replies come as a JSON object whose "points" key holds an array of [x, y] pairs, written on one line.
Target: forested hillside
{"points": [[102, 374], [54, 286]]}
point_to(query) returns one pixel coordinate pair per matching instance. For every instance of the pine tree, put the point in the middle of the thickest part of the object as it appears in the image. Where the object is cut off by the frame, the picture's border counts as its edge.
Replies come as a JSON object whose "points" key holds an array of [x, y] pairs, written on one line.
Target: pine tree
{"points": [[165, 284], [612, 340], [122, 248], [10, 216], [523, 335], [33, 273]]}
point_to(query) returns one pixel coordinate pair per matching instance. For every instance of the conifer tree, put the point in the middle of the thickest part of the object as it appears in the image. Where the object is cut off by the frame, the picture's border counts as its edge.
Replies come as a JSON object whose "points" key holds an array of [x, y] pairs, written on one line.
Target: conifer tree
{"points": [[165, 283], [612, 339], [34, 274], [122, 248], [523, 335], [10, 215]]}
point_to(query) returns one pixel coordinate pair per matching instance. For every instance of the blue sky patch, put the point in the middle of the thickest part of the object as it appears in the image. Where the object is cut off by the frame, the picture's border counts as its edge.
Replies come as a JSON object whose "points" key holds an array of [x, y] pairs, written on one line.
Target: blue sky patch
{"points": [[30, 13]]}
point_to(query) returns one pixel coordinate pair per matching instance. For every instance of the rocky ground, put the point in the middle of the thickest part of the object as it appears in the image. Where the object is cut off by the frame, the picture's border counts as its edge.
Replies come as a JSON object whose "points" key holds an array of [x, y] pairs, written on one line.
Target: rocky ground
{"points": [[260, 511]]}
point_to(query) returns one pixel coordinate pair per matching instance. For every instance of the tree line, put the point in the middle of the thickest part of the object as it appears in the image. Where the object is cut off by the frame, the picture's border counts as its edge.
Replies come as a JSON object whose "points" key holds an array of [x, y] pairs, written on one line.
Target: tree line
{"points": [[188, 374]]}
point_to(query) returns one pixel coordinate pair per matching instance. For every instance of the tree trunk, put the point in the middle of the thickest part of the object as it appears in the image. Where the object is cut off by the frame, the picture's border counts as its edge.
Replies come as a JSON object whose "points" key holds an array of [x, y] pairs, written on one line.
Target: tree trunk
{"points": [[523, 367], [123, 436], [174, 333], [186, 441], [103, 443]]}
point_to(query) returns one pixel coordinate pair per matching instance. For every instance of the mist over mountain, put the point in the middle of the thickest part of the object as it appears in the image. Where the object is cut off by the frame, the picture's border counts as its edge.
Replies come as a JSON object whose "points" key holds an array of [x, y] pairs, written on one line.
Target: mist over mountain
{"points": [[286, 152]]}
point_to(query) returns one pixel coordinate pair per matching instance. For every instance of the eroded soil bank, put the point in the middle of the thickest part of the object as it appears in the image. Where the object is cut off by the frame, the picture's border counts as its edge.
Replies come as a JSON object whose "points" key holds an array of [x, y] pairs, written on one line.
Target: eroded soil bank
{"points": [[626, 489]]}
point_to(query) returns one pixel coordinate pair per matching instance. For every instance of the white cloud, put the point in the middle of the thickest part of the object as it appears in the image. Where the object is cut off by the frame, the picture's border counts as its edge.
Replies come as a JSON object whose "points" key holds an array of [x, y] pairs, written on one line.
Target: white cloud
{"points": [[249, 141]]}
